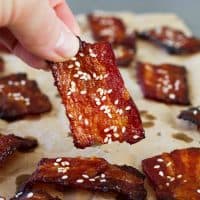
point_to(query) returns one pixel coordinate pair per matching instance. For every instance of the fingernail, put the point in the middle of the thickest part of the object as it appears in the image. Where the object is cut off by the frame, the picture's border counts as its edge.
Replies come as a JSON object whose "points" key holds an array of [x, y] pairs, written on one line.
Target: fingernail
{"points": [[67, 45]]}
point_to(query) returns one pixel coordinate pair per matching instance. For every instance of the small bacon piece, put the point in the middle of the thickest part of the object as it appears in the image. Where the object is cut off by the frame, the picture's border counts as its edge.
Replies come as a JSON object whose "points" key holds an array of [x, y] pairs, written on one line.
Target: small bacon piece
{"points": [[113, 30], [97, 103], [2, 64], [175, 175], [33, 195], [173, 41], [20, 97], [9, 144], [93, 174], [165, 83], [192, 115]]}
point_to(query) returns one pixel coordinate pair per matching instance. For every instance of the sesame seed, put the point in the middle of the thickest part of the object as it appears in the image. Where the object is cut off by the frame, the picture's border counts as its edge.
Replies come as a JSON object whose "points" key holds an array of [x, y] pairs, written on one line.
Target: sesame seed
{"points": [[58, 160], [128, 108], [70, 115], [62, 169], [18, 194], [136, 137], [79, 180], [116, 102], [172, 96], [64, 177], [73, 58], [55, 164], [167, 184], [195, 112], [85, 176], [156, 166], [65, 163], [86, 122], [106, 130], [93, 55], [172, 179], [109, 91], [160, 160], [29, 195], [83, 92], [80, 117], [103, 175], [103, 98], [102, 180], [106, 75], [116, 135], [92, 179], [168, 164], [81, 54], [161, 173], [123, 129], [106, 139], [198, 191], [77, 63], [70, 66], [179, 176]]}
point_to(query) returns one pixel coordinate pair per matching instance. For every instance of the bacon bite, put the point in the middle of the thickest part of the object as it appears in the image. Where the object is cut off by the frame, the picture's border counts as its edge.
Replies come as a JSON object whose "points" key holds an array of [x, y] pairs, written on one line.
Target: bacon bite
{"points": [[9, 144], [175, 175], [165, 83], [173, 41], [98, 105], [93, 174], [20, 97], [192, 115], [113, 30]]}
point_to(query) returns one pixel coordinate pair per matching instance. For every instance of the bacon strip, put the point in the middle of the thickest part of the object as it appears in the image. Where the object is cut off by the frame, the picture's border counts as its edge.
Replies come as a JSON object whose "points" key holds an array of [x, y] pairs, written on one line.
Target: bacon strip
{"points": [[175, 175], [113, 30], [93, 174], [165, 83], [192, 115], [173, 41], [20, 97], [33, 195], [9, 144], [98, 105]]}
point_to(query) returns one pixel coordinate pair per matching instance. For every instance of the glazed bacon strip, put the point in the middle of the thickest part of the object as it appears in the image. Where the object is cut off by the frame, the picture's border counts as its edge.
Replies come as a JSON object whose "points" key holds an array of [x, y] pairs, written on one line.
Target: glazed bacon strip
{"points": [[97, 103], [9, 144], [113, 30], [93, 174], [192, 115], [20, 97], [175, 175], [164, 83], [173, 41]]}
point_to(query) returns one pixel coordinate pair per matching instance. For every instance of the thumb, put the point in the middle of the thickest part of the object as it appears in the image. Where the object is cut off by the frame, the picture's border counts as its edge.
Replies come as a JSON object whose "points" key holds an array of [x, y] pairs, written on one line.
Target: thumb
{"points": [[36, 26]]}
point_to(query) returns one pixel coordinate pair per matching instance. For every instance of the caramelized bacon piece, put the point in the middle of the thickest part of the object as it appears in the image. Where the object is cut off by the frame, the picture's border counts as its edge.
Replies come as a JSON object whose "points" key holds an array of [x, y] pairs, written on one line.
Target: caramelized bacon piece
{"points": [[175, 175], [165, 83], [113, 30], [191, 115], [93, 174], [2, 64], [98, 105], [20, 97], [173, 41], [9, 144]]}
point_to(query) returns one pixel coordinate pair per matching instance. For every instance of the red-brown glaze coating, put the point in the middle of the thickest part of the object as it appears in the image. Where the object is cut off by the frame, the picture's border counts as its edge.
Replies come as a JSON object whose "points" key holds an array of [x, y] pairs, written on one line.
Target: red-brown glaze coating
{"points": [[175, 175], [93, 174], [192, 115], [173, 41], [20, 97], [113, 30], [164, 83], [97, 103], [34, 195], [9, 144]]}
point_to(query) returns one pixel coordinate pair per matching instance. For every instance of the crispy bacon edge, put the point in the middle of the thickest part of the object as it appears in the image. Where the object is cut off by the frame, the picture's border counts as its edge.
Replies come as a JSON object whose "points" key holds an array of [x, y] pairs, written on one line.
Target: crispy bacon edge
{"points": [[131, 188], [192, 115], [191, 46], [151, 93], [159, 168], [11, 143]]}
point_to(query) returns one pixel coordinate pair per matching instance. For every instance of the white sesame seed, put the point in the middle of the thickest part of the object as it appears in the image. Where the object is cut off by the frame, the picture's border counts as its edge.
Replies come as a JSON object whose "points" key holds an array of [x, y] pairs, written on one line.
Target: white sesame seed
{"points": [[62, 169], [116, 102], [128, 108], [179, 176], [64, 177], [106, 130], [70, 66], [161, 173], [102, 180], [109, 91], [103, 98], [58, 160], [83, 92], [172, 179], [81, 54], [77, 63], [86, 122], [55, 164], [136, 137], [195, 112], [172, 96], [29, 195], [116, 135], [103, 175], [73, 58], [65, 163], [80, 117], [79, 180], [85, 176], [160, 160], [92, 179], [18, 194], [106, 75], [93, 55], [167, 184], [70, 115], [106, 139], [123, 129], [198, 191], [156, 166], [168, 164]]}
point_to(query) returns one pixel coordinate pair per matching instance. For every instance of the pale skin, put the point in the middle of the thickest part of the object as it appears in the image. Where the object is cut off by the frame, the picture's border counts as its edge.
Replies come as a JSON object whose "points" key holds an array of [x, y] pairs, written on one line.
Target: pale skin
{"points": [[38, 30]]}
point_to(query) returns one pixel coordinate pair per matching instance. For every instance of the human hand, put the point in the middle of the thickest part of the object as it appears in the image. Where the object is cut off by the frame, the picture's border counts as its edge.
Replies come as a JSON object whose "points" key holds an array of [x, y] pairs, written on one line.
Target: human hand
{"points": [[38, 30]]}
